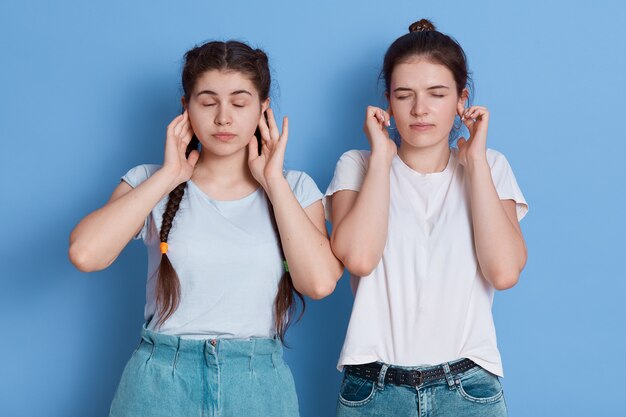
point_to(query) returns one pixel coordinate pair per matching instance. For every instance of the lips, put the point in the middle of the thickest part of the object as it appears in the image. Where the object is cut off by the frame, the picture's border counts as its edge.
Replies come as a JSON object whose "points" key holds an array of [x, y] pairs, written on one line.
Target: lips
{"points": [[224, 136], [420, 127]]}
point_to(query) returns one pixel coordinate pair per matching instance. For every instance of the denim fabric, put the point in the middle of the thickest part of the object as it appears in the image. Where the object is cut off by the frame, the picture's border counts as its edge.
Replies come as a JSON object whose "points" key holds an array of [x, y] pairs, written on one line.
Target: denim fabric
{"points": [[474, 393], [168, 376]]}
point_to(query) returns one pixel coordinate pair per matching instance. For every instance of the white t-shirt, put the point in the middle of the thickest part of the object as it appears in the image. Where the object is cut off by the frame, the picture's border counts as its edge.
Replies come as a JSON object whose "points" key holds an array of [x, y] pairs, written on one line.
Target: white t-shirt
{"points": [[227, 257], [426, 302]]}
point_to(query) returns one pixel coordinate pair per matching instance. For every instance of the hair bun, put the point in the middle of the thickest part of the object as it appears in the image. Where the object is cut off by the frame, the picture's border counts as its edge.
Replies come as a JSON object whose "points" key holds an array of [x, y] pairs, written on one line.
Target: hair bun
{"points": [[422, 25]]}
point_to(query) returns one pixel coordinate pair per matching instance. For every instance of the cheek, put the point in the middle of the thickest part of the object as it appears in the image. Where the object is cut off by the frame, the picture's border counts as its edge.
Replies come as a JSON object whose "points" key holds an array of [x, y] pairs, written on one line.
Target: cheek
{"points": [[249, 120], [199, 115], [446, 110]]}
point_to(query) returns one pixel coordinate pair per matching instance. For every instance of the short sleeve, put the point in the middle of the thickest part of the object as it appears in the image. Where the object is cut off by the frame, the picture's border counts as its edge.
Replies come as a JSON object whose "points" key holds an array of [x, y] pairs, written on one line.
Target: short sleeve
{"points": [[349, 175], [134, 177], [303, 187], [505, 182]]}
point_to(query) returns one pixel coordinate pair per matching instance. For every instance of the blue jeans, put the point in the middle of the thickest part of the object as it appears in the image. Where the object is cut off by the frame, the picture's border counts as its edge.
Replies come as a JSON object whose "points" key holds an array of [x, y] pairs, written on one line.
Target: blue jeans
{"points": [[473, 393], [169, 376]]}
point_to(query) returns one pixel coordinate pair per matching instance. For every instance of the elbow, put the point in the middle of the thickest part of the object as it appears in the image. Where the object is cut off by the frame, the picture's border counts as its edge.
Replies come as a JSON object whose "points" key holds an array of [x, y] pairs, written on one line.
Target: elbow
{"points": [[82, 260], [325, 284], [321, 291], [361, 266], [504, 281]]}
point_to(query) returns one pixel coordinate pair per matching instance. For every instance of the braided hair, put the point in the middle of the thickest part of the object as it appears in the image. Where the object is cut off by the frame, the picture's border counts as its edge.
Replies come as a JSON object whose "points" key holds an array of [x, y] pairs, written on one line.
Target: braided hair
{"points": [[235, 56]]}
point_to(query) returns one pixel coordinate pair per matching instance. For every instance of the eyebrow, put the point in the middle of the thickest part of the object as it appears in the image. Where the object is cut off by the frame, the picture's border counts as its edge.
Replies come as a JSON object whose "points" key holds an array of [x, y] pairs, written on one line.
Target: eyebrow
{"points": [[434, 87], [234, 93]]}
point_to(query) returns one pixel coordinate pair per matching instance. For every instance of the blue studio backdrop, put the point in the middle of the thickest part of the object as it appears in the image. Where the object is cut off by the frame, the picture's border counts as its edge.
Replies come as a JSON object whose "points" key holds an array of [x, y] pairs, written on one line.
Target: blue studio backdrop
{"points": [[87, 89]]}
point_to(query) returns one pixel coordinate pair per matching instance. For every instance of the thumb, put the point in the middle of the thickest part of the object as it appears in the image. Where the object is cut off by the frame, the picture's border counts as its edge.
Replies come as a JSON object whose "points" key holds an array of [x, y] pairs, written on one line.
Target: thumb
{"points": [[193, 157], [253, 149]]}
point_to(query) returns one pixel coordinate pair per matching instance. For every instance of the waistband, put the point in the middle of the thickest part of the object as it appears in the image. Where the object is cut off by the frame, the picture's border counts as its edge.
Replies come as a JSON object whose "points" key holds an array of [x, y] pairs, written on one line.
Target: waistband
{"points": [[412, 377], [223, 347]]}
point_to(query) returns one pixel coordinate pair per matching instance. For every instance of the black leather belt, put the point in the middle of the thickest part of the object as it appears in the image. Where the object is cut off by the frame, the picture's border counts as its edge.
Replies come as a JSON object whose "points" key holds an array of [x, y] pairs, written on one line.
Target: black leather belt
{"points": [[411, 378]]}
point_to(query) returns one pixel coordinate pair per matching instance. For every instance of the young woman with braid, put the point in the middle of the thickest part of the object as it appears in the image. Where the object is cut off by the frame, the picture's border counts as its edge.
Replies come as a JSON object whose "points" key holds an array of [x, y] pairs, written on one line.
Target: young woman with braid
{"points": [[231, 239], [428, 232]]}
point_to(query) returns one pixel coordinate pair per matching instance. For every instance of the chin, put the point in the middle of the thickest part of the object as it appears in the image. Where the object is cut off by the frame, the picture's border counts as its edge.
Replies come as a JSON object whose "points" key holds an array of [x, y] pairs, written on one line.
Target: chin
{"points": [[223, 149], [420, 141]]}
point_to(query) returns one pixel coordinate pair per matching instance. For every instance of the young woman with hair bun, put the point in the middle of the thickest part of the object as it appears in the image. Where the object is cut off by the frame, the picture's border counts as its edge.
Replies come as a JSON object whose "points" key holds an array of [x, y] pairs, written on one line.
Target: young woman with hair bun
{"points": [[428, 232], [232, 241]]}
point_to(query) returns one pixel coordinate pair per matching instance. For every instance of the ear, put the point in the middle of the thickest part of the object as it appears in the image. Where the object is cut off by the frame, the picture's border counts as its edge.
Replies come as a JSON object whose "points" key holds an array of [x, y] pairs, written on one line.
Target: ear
{"points": [[183, 102], [389, 109], [265, 105], [460, 106]]}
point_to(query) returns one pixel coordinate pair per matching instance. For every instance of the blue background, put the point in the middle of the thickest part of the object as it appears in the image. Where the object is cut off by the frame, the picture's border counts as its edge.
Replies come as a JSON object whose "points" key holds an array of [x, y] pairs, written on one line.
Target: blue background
{"points": [[87, 89]]}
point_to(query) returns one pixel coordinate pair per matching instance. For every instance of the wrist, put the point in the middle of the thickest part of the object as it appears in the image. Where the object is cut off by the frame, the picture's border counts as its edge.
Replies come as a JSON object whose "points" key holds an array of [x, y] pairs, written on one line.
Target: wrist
{"points": [[478, 164], [275, 185], [169, 178], [380, 157]]}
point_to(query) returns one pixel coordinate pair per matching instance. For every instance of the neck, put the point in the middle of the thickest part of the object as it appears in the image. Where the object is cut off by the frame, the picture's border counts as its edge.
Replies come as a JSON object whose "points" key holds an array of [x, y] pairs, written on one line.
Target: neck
{"points": [[223, 171], [425, 160]]}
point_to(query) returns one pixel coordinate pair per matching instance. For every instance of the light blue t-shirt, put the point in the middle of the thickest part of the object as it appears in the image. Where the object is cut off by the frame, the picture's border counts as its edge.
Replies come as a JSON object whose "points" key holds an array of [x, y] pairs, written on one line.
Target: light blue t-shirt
{"points": [[226, 255]]}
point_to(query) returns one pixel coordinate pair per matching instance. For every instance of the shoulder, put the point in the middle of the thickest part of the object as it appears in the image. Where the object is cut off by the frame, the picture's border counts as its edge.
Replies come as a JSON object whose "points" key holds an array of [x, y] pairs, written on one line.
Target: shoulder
{"points": [[140, 173], [358, 156], [303, 187], [494, 156], [298, 179]]}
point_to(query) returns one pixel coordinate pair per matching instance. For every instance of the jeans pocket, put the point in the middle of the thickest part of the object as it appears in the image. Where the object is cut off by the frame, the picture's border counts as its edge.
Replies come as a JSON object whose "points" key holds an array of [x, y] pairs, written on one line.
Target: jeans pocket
{"points": [[356, 391], [480, 387]]}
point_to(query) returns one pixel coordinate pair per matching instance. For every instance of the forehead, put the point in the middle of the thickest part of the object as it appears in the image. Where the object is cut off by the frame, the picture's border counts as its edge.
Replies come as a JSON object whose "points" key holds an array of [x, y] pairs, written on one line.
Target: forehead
{"points": [[417, 73], [224, 82]]}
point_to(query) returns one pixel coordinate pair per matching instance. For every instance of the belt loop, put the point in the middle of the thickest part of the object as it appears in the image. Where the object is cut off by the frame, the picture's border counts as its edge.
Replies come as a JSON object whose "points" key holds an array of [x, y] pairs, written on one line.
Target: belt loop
{"points": [[176, 355], [449, 376], [381, 376], [252, 351]]}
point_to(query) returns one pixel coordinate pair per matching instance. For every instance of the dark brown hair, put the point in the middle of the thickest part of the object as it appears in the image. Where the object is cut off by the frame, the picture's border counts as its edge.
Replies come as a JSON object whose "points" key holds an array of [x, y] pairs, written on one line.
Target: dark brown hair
{"points": [[424, 40], [253, 63]]}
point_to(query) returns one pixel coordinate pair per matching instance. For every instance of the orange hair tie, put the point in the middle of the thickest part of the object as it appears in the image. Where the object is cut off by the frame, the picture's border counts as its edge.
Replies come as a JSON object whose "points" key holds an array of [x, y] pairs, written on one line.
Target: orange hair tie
{"points": [[163, 247]]}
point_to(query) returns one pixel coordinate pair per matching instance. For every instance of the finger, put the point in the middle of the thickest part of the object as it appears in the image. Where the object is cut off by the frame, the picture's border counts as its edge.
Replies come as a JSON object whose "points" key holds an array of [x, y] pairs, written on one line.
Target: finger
{"points": [[387, 117], [274, 133], [253, 149], [264, 129], [180, 127], [380, 116], [173, 123], [284, 136], [374, 113], [265, 150], [193, 157], [461, 142], [187, 135], [479, 112]]}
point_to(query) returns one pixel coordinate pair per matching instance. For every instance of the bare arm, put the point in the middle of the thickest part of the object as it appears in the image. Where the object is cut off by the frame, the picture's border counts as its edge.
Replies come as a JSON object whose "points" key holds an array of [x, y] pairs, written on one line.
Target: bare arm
{"points": [[360, 219], [100, 237], [313, 267], [500, 246]]}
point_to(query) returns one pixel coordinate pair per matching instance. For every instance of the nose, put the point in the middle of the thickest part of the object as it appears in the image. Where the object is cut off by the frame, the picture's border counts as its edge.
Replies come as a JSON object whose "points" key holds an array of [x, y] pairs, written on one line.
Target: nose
{"points": [[222, 118], [419, 107]]}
